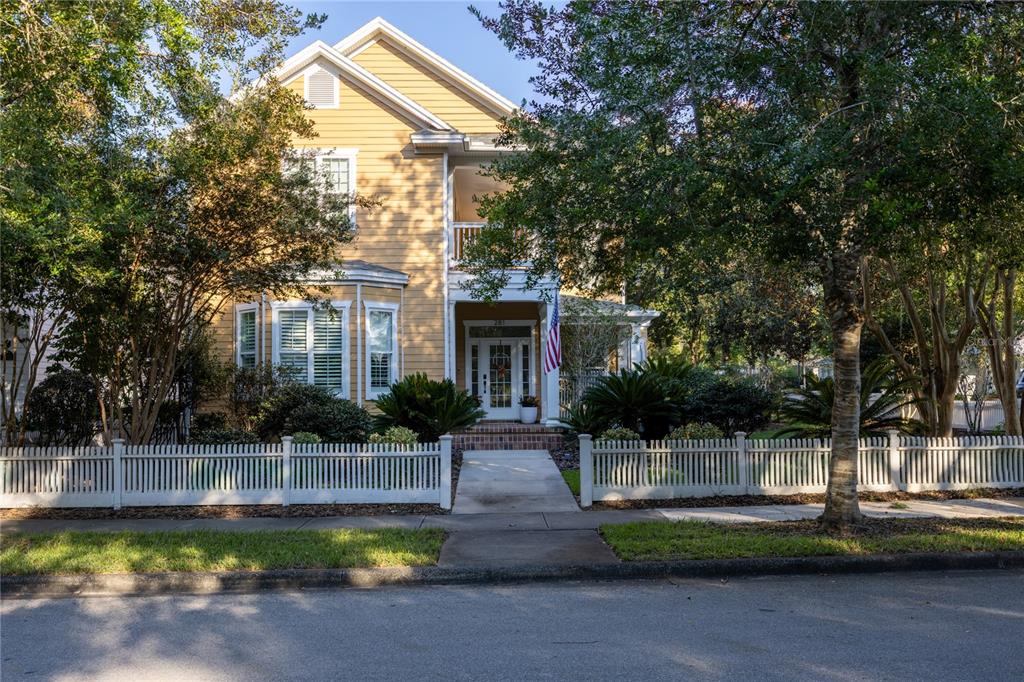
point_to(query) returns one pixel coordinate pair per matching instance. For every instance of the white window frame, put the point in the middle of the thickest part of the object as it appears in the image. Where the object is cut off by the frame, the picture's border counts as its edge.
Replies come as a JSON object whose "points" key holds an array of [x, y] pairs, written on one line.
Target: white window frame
{"points": [[349, 154], [313, 68], [374, 306], [241, 308], [346, 360]]}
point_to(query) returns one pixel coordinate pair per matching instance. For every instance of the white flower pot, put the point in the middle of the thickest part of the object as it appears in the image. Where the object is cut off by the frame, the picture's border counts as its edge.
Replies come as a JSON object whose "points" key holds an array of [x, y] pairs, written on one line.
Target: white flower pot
{"points": [[528, 415]]}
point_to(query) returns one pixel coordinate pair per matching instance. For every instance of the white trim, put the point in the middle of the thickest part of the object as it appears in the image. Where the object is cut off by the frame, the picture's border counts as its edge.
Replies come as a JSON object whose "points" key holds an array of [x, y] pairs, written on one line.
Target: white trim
{"points": [[288, 71], [335, 81], [517, 367], [357, 41], [340, 306], [247, 308], [393, 308]]}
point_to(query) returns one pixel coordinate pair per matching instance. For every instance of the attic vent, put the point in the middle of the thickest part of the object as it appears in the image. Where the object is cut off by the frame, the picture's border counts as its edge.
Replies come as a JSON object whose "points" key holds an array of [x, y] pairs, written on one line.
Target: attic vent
{"points": [[320, 89]]}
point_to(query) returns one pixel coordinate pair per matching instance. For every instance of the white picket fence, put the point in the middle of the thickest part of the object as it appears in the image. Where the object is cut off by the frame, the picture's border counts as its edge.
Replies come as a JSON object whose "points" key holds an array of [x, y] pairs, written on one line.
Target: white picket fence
{"points": [[630, 470], [261, 473]]}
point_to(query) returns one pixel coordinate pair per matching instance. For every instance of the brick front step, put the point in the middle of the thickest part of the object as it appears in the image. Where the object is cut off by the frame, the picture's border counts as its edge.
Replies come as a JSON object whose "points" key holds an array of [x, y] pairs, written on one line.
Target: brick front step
{"points": [[501, 435]]}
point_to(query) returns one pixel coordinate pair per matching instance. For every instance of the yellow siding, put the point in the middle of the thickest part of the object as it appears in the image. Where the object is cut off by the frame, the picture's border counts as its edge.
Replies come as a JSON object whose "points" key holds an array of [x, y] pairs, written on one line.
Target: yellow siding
{"points": [[427, 89]]}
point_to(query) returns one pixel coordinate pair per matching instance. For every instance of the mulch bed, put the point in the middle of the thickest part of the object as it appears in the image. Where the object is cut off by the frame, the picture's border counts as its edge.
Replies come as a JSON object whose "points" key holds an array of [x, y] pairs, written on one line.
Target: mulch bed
{"points": [[817, 498], [568, 456], [235, 511]]}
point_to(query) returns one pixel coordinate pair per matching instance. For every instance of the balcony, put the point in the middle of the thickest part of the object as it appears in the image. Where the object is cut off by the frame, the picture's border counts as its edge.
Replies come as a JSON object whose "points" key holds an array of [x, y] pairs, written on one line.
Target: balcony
{"points": [[462, 235]]}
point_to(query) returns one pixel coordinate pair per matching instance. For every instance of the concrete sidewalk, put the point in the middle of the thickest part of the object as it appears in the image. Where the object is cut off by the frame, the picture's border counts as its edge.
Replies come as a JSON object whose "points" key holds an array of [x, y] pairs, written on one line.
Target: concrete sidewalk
{"points": [[534, 521]]}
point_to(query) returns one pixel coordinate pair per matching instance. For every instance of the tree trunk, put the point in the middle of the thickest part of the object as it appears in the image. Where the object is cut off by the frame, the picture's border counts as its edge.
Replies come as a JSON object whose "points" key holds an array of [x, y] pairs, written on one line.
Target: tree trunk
{"points": [[846, 319], [1000, 328]]}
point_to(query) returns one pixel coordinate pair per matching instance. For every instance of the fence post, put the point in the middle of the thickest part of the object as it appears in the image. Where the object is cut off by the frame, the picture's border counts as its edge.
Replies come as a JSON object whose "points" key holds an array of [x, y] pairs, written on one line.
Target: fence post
{"points": [[286, 470], [741, 457], [586, 470], [446, 472], [117, 452], [894, 459]]}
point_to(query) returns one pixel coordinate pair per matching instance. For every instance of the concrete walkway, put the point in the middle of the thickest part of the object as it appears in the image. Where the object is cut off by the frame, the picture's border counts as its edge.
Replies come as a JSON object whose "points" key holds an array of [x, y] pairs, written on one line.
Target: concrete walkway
{"points": [[510, 481], [533, 521]]}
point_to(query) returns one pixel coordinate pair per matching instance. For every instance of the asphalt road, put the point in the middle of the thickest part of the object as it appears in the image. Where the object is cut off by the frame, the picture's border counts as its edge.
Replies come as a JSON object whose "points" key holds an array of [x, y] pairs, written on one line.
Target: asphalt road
{"points": [[926, 626]]}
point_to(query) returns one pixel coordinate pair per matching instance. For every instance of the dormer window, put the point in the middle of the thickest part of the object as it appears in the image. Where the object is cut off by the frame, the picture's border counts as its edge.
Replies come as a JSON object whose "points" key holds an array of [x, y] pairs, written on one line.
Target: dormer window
{"points": [[321, 89]]}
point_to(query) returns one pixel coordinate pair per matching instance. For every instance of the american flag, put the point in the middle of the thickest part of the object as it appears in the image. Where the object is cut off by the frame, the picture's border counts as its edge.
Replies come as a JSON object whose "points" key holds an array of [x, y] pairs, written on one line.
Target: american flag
{"points": [[553, 350]]}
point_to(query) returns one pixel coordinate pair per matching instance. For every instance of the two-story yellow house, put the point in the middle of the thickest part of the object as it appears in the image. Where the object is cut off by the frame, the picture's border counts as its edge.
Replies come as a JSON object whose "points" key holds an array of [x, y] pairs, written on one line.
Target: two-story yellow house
{"points": [[397, 122]]}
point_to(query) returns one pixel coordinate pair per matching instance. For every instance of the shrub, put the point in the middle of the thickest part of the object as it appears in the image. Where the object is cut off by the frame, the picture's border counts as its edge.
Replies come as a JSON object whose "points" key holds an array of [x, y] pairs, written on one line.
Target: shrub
{"points": [[585, 418], [808, 411], [695, 431], [222, 436], [334, 421], [636, 400], [62, 408], [730, 403], [672, 371], [209, 420], [305, 437], [619, 433], [430, 408], [397, 435], [295, 407], [250, 390]]}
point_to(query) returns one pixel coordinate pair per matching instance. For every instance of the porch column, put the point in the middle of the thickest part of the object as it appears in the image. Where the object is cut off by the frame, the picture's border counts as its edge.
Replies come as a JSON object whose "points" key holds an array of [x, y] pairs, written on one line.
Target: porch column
{"points": [[549, 385], [638, 342], [450, 345]]}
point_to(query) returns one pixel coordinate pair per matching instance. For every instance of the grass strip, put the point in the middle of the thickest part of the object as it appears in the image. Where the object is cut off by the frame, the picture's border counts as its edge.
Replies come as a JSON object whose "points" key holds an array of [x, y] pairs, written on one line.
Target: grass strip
{"points": [[73, 552], [572, 479], [681, 540]]}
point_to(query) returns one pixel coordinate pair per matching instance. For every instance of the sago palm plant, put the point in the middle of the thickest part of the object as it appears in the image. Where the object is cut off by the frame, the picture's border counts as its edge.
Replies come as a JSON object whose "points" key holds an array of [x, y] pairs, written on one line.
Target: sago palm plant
{"points": [[633, 400], [808, 411]]}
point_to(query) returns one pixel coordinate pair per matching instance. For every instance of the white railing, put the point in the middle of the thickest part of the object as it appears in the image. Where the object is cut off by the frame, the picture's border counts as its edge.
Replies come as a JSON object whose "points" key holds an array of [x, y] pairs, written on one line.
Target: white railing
{"points": [[624, 470], [261, 473], [462, 235]]}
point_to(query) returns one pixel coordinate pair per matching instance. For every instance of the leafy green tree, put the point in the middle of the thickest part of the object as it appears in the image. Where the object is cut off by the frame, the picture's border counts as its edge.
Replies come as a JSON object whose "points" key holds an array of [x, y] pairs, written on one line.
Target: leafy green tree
{"points": [[189, 199], [758, 126]]}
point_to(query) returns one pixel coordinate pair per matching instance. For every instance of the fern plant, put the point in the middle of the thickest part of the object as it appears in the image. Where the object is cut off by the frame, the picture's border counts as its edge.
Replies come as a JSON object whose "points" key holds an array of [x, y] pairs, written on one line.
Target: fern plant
{"points": [[808, 410]]}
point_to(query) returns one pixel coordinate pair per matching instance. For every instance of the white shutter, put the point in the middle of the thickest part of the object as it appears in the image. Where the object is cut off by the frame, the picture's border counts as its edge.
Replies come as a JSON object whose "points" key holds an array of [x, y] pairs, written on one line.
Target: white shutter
{"points": [[247, 338], [294, 352], [328, 347], [320, 89]]}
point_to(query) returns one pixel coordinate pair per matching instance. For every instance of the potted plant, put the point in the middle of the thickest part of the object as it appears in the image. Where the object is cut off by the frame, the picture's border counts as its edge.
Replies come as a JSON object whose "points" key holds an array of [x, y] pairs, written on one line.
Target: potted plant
{"points": [[528, 409]]}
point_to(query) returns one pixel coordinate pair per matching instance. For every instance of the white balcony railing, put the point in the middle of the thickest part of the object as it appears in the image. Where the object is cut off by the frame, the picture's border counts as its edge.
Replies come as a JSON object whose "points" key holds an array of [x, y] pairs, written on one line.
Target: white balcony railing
{"points": [[462, 235]]}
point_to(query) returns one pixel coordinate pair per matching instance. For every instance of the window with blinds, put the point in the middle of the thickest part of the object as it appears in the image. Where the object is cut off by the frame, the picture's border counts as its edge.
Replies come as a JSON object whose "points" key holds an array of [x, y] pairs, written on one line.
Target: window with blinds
{"points": [[380, 349], [337, 172], [293, 348], [320, 89], [247, 338], [328, 349]]}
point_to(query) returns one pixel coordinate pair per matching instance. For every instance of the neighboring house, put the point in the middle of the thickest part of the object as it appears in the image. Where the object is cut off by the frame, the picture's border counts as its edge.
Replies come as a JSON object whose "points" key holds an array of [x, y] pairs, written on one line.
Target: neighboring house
{"points": [[399, 123]]}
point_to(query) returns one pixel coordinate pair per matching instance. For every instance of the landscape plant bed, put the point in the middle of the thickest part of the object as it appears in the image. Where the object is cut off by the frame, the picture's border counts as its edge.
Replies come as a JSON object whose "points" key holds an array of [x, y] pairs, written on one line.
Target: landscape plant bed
{"points": [[232, 511], [72, 552], [805, 498], [691, 540]]}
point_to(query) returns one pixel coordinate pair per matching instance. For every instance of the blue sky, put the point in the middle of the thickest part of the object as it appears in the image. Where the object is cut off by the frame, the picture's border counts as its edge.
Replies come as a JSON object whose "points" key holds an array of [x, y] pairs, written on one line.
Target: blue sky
{"points": [[447, 28]]}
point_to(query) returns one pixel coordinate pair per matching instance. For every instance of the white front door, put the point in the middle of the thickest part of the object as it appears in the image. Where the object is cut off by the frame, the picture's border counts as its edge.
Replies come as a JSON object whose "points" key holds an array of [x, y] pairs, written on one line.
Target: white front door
{"points": [[499, 373]]}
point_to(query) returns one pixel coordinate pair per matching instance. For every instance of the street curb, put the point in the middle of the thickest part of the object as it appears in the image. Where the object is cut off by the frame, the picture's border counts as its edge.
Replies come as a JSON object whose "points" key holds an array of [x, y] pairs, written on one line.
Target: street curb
{"points": [[118, 585]]}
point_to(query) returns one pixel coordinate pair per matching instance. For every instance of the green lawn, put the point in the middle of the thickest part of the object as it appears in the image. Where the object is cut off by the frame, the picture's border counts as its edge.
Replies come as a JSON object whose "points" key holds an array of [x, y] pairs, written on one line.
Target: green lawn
{"points": [[572, 479], [665, 541], [135, 552]]}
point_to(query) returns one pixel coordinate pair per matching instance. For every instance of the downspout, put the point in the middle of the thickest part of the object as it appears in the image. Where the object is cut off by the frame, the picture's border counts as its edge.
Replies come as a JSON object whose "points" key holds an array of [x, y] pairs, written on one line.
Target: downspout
{"points": [[445, 255], [359, 343]]}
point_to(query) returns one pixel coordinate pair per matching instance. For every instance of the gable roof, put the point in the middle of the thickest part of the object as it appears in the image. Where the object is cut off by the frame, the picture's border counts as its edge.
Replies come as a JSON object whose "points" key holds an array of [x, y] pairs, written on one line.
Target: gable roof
{"points": [[377, 28], [292, 68]]}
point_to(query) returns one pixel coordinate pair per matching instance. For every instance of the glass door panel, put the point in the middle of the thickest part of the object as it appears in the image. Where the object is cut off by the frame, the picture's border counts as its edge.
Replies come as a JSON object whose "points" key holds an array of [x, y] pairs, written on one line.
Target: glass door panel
{"points": [[500, 374]]}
